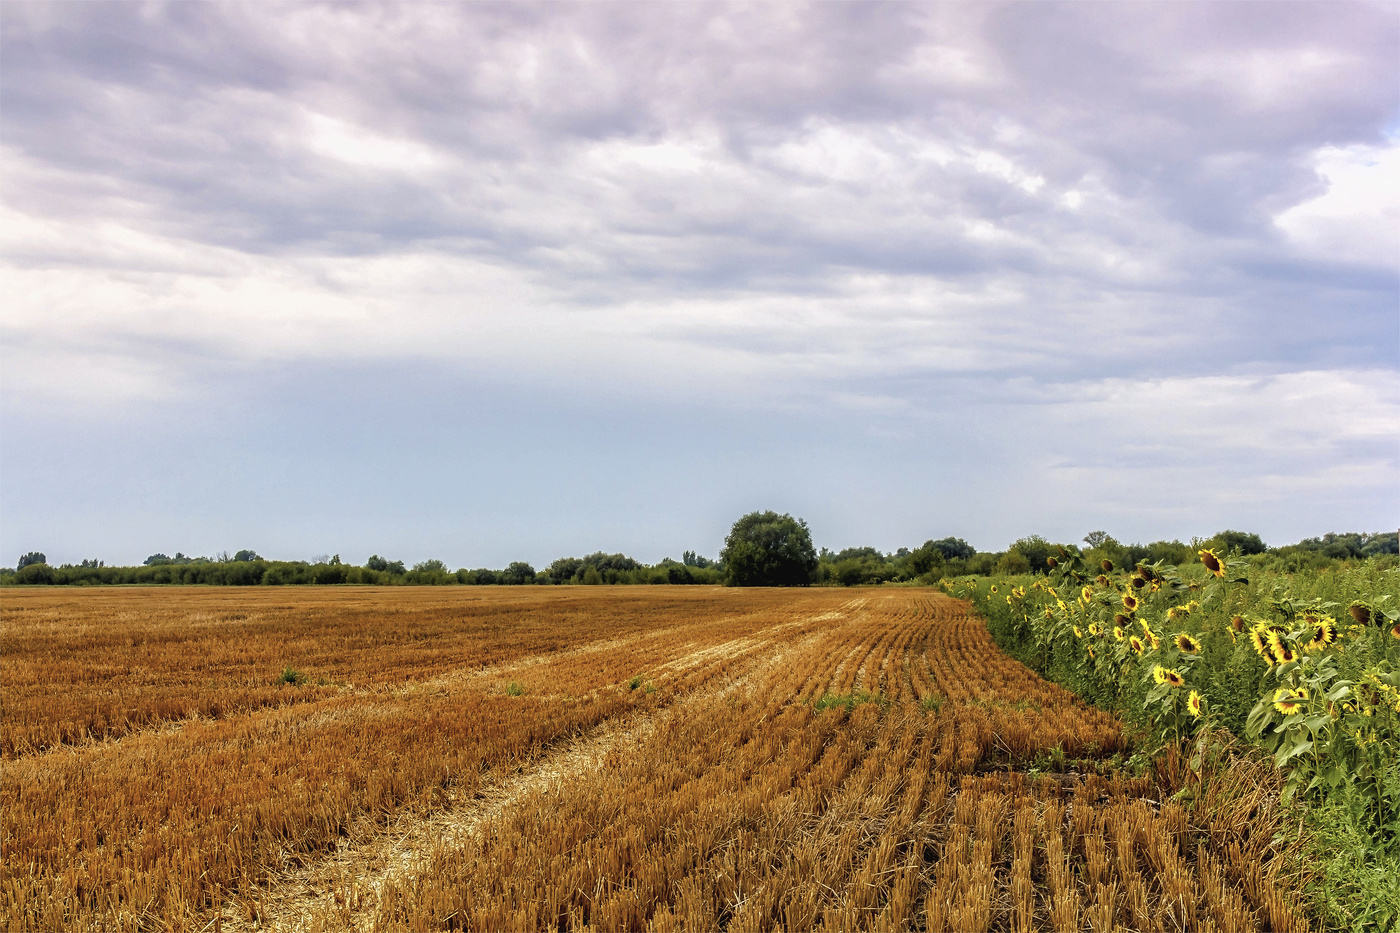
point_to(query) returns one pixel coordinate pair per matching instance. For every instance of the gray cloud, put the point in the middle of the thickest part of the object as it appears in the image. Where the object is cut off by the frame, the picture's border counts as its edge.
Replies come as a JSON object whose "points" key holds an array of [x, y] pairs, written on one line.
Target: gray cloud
{"points": [[868, 208]]}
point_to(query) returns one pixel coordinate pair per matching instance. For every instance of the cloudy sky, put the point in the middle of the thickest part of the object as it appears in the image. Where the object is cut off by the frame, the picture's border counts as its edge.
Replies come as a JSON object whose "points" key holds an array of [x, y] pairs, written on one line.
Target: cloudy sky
{"points": [[487, 282]]}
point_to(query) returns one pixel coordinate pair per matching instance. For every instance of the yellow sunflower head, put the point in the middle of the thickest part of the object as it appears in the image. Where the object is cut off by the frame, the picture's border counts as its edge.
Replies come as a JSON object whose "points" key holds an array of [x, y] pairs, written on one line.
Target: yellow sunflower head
{"points": [[1138, 583], [1324, 633], [1136, 644], [1213, 563], [1256, 638], [1077, 632], [1118, 633], [1187, 644], [1052, 563], [1090, 649], [1167, 675], [1283, 654], [1194, 705], [1176, 612], [1087, 593], [1130, 602], [994, 587], [1289, 701]]}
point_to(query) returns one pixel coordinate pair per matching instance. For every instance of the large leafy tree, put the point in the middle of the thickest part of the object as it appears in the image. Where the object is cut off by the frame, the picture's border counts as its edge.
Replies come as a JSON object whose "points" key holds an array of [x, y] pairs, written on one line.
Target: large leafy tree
{"points": [[768, 549]]}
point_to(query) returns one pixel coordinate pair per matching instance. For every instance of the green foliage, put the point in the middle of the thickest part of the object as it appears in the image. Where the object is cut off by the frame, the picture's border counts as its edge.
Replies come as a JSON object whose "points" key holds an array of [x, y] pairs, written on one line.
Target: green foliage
{"points": [[927, 558], [1236, 541], [246, 556], [1306, 665], [846, 702], [1035, 551], [955, 549], [33, 557], [768, 549], [517, 574], [514, 689], [37, 574], [291, 677]]}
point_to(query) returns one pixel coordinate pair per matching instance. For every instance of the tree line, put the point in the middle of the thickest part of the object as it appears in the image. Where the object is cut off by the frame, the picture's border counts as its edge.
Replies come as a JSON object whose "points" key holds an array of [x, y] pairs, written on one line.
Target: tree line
{"points": [[762, 549]]}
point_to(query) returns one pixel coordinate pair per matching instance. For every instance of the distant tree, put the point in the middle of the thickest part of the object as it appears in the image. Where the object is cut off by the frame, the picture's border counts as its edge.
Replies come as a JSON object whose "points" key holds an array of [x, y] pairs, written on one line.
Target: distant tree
{"points": [[1013, 561], [691, 559], [156, 560], [33, 557], [858, 553], [1244, 542], [1097, 539], [517, 573], [564, 569], [1035, 550], [246, 556], [375, 562], [956, 549], [93, 564], [925, 558], [768, 549], [432, 564]]}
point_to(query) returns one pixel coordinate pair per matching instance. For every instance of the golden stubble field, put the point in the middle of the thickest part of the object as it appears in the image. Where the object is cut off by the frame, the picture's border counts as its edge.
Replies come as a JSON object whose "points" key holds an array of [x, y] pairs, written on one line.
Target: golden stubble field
{"points": [[517, 758]]}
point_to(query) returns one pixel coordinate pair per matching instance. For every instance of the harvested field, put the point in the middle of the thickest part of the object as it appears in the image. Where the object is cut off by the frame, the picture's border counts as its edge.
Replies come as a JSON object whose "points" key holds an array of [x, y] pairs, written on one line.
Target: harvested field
{"points": [[583, 757]]}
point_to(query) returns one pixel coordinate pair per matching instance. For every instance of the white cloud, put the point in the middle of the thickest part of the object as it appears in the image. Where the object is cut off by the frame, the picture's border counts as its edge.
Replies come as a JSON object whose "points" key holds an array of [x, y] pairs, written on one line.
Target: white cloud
{"points": [[1357, 219]]}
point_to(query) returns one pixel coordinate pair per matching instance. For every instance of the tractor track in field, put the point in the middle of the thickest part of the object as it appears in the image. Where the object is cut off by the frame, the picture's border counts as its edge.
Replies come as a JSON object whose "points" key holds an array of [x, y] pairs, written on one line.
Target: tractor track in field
{"points": [[342, 890]]}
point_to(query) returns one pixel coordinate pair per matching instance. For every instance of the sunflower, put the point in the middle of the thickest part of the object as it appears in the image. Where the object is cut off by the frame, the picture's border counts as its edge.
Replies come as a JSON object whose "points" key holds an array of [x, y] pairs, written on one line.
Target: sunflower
{"points": [[1213, 563], [1090, 649], [1166, 675], [1193, 705], [1107, 565], [1101, 580], [1395, 631], [1324, 632], [1121, 619], [1049, 615], [1283, 654], [1136, 644], [1236, 624], [1118, 632], [1177, 612], [1361, 613], [1187, 644], [1087, 593], [1130, 602], [1052, 562], [1256, 638], [1154, 640], [1288, 701], [1138, 583], [994, 587], [1077, 633]]}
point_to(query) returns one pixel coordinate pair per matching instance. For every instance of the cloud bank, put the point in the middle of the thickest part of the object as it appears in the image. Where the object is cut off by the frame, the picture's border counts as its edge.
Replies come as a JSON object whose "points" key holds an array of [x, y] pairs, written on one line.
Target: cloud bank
{"points": [[1145, 241]]}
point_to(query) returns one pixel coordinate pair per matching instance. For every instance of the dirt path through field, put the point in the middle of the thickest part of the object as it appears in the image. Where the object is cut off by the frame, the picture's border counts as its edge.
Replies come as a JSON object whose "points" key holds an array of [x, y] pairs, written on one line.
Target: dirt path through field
{"points": [[342, 891], [345, 886]]}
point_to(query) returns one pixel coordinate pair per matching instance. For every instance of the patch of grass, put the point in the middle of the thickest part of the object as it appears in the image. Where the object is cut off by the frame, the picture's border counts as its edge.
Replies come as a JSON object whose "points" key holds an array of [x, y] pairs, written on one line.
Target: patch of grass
{"points": [[292, 676], [846, 701], [932, 703], [514, 689], [636, 681], [1359, 883]]}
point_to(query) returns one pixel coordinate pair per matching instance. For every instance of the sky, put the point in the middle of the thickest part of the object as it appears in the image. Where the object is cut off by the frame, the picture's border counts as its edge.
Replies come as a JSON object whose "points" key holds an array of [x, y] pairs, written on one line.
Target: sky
{"points": [[494, 282]]}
